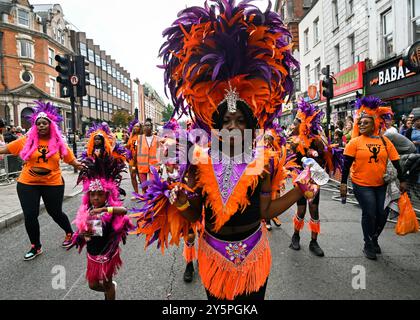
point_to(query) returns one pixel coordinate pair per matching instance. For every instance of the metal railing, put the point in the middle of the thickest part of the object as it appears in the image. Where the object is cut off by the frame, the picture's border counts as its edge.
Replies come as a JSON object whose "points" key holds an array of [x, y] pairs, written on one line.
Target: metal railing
{"points": [[10, 168]]}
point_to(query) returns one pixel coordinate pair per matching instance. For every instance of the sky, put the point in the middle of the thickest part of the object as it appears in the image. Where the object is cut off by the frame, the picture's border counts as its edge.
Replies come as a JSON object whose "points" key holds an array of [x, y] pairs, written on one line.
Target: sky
{"points": [[129, 30]]}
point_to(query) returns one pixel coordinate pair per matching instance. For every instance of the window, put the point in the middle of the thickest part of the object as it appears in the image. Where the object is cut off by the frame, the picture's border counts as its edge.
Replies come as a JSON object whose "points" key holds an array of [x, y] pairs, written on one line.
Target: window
{"points": [[317, 70], [83, 49], [114, 72], [23, 17], [387, 35], [129, 83], [98, 60], [98, 83], [105, 107], [91, 55], [415, 18], [103, 62], [104, 85], [26, 49], [92, 79], [60, 36], [51, 56], [118, 76], [92, 102], [352, 54], [118, 93], [334, 6], [27, 77], [114, 91], [308, 76], [110, 108], [53, 88], [109, 69], [306, 40], [99, 105], [316, 31], [350, 8], [85, 102], [109, 88], [337, 58]]}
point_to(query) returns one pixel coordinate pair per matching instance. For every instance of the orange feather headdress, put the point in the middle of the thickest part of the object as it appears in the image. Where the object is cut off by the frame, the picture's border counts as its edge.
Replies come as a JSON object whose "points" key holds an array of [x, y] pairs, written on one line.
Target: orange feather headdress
{"points": [[225, 53], [372, 107]]}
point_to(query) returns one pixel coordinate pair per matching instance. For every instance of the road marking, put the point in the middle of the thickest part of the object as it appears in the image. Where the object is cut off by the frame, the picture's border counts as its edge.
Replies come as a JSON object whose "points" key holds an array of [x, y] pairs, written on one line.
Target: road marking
{"points": [[78, 279]]}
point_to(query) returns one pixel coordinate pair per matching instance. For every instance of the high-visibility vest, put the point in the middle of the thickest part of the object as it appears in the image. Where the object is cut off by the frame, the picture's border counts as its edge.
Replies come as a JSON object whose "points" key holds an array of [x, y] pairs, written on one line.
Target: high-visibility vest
{"points": [[146, 156]]}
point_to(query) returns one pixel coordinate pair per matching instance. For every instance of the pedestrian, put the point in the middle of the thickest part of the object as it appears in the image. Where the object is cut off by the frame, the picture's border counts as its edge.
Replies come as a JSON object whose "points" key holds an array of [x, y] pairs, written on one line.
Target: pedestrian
{"points": [[407, 124], [2, 128], [367, 155], [19, 132], [102, 222], [413, 133], [230, 195], [147, 152], [401, 143], [389, 124], [348, 129], [42, 149], [10, 135], [135, 130]]}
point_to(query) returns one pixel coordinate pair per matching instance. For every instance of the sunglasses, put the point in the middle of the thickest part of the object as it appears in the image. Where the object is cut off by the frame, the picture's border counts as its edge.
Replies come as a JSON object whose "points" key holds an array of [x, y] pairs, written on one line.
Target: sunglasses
{"points": [[364, 123]]}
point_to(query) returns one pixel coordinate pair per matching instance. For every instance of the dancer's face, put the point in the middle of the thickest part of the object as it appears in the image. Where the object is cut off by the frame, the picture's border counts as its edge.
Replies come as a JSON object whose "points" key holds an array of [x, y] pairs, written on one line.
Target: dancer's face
{"points": [[136, 129], [43, 126], [98, 141], [97, 198], [366, 126], [234, 121]]}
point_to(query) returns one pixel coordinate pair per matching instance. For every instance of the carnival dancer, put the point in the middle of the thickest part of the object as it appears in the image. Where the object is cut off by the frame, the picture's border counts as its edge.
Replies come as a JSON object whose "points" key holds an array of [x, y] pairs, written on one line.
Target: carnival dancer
{"points": [[42, 149], [229, 65], [135, 130], [102, 222], [102, 143], [307, 141]]}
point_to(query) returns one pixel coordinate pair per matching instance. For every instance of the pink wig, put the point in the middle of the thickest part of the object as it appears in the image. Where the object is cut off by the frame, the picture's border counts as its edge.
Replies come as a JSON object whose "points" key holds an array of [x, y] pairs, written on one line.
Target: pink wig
{"points": [[56, 143]]}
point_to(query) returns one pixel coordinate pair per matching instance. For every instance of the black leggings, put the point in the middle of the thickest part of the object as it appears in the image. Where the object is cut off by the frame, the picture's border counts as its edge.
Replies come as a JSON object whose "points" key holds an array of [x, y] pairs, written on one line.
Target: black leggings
{"points": [[30, 197]]}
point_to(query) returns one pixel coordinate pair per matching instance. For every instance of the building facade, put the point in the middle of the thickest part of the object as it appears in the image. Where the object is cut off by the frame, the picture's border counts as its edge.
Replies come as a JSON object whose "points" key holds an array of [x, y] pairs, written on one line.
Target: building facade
{"points": [[346, 50], [110, 86], [153, 105], [395, 26], [291, 13], [30, 37]]}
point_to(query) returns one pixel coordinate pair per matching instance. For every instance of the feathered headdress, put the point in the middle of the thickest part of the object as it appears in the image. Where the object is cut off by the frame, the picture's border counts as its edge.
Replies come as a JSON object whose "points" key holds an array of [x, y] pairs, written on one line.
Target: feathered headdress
{"points": [[103, 130], [132, 125], [56, 142], [310, 124], [371, 107], [102, 174], [225, 53]]}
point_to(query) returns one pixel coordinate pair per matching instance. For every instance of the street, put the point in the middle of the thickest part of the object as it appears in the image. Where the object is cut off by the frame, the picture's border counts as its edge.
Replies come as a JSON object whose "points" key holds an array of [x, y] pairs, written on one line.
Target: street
{"points": [[147, 275]]}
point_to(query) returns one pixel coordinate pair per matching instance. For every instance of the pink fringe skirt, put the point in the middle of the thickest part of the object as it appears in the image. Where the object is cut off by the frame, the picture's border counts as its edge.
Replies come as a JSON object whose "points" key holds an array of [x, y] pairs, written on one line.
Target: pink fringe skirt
{"points": [[103, 267]]}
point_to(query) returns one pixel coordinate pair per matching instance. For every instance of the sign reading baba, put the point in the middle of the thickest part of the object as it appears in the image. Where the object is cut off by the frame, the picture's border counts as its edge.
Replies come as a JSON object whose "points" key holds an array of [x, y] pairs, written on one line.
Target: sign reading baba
{"points": [[391, 74], [412, 57]]}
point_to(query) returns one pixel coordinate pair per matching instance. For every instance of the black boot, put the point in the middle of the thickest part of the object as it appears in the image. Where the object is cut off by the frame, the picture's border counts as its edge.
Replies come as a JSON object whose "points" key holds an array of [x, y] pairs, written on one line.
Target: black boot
{"points": [[295, 242], [376, 246], [369, 250], [316, 249], [189, 272]]}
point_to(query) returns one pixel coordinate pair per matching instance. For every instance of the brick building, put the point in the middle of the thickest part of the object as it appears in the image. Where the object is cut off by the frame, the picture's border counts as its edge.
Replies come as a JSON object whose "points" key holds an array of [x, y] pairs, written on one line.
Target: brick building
{"points": [[110, 84], [30, 37]]}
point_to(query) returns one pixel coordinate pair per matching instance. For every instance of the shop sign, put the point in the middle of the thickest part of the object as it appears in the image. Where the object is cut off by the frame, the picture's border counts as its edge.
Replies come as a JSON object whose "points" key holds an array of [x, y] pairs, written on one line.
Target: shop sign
{"points": [[348, 80], [412, 57], [312, 92]]}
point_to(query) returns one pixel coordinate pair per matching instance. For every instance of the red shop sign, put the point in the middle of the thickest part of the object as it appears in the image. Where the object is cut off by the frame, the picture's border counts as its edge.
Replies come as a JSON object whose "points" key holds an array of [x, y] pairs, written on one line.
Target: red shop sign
{"points": [[348, 80]]}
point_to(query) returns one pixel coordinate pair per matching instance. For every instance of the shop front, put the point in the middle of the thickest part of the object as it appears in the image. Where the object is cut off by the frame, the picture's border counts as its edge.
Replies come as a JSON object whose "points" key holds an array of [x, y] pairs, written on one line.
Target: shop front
{"points": [[348, 86], [396, 84]]}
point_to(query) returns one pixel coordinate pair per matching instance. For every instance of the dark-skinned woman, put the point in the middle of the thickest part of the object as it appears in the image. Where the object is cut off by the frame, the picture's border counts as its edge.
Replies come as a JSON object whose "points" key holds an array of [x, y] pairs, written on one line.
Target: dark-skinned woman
{"points": [[42, 149], [233, 80], [367, 156]]}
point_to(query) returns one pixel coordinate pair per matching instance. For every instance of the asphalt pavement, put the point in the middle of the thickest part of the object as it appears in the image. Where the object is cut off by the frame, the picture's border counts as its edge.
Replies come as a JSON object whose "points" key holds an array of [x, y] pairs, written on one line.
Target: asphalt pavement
{"points": [[344, 272]]}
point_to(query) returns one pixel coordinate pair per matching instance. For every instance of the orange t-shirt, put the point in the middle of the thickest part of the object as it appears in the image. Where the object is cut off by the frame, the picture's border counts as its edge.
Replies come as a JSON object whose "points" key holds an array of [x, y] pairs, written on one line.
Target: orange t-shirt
{"points": [[371, 159], [132, 146], [39, 159]]}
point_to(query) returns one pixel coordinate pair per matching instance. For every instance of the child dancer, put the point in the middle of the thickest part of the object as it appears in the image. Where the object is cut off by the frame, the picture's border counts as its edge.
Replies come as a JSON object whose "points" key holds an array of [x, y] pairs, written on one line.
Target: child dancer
{"points": [[102, 222]]}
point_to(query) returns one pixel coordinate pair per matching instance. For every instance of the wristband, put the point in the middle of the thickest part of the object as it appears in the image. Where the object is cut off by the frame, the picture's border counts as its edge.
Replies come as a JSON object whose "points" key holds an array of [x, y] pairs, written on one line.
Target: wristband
{"points": [[184, 207], [110, 210]]}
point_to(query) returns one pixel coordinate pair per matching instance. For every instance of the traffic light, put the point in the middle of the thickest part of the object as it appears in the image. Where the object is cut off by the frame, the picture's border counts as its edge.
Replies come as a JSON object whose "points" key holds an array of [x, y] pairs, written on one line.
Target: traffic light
{"points": [[327, 83], [65, 70], [82, 72]]}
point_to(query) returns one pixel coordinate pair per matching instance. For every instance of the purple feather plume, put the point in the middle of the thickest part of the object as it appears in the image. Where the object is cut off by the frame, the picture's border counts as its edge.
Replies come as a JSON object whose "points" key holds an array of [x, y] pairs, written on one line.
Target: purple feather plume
{"points": [[369, 102]]}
